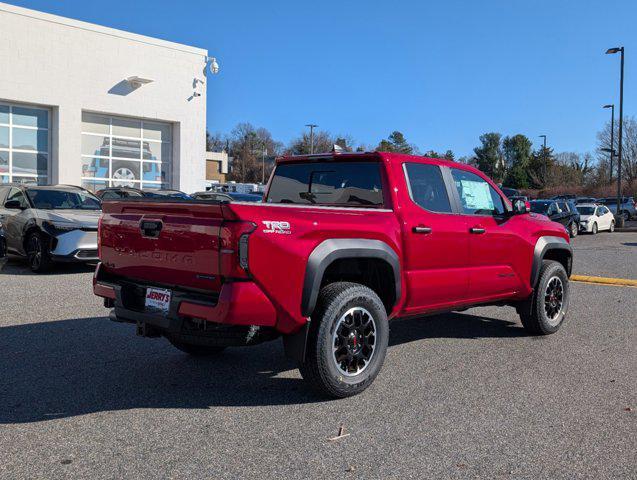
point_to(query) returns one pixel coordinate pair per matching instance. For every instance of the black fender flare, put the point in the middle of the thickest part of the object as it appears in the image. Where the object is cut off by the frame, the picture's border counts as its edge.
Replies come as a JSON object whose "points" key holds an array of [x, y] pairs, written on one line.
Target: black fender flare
{"points": [[334, 249], [542, 246], [320, 258]]}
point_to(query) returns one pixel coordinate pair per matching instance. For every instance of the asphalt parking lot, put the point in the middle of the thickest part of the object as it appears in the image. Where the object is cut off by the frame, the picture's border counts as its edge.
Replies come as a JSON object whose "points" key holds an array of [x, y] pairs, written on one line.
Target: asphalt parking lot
{"points": [[466, 395]]}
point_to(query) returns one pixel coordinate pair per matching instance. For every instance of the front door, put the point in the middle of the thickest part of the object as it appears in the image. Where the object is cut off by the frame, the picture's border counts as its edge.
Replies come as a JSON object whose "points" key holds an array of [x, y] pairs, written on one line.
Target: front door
{"points": [[436, 242], [15, 220], [493, 241]]}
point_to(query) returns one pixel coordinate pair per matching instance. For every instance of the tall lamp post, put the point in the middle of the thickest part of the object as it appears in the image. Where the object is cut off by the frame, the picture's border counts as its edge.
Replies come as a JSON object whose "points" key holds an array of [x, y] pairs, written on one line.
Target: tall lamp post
{"points": [[544, 158], [620, 50], [312, 127], [612, 134], [264, 153]]}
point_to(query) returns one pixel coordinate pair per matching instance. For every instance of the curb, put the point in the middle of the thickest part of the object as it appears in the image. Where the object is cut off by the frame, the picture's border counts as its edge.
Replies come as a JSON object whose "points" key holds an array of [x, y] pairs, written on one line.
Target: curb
{"points": [[626, 229], [622, 282]]}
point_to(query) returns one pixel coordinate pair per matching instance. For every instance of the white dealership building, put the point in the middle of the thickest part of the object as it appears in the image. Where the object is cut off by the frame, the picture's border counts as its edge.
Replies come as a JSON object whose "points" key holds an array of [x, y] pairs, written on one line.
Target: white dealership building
{"points": [[89, 105]]}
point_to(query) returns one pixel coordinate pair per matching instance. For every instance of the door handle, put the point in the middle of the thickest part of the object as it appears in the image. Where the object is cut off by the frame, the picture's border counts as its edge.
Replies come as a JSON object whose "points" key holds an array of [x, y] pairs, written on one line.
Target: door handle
{"points": [[477, 230], [424, 230]]}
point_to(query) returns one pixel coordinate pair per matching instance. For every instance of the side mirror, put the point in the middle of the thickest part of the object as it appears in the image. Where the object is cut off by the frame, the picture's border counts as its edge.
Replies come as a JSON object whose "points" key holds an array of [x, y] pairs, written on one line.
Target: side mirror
{"points": [[520, 207], [13, 205]]}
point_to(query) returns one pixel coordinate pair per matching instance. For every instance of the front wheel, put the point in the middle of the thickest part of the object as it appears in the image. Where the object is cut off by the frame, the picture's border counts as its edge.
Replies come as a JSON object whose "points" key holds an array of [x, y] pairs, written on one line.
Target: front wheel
{"points": [[347, 340], [573, 230], [37, 253], [544, 311]]}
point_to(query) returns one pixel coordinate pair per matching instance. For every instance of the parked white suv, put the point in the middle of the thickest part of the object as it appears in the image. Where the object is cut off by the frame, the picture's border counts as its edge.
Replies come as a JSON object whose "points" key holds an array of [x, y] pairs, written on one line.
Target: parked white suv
{"points": [[594, 218]]}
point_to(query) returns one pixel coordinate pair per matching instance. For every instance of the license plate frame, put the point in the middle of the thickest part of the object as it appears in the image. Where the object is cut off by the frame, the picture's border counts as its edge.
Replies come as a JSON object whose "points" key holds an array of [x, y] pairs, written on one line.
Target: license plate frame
{"points": [[157, 300]]}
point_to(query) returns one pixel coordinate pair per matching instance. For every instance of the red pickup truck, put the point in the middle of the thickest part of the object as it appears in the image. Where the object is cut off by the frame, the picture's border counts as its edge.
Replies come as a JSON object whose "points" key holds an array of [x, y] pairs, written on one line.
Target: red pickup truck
{"points": [[341, 243]]}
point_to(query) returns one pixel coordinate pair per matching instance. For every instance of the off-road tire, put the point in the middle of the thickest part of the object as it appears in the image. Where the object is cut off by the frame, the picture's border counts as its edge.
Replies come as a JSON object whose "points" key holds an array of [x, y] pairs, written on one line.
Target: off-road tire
{"points": [[533, 312], [196, 350], [37, 250], [320, 369]]}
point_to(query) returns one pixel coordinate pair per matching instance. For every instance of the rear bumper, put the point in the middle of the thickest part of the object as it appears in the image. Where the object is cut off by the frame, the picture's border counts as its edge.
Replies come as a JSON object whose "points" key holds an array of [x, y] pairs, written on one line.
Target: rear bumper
{"points": [[239, 303]]}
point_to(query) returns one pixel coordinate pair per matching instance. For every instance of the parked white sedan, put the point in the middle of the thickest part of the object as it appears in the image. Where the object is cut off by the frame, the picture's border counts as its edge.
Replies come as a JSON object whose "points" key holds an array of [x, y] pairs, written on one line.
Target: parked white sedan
{"points": [[594, 218]]}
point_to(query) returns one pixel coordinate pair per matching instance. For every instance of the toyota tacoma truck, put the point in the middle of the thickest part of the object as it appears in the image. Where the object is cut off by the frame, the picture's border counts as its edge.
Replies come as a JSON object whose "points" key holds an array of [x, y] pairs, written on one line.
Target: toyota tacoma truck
{"points": [[341, 243]]}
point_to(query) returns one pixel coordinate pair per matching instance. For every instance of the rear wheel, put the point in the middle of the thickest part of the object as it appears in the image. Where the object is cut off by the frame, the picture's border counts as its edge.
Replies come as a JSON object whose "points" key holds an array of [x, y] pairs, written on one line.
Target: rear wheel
{"points": [[594, 229], [196, 350], [347, 341], [612, 226], [38, 253], [544, 311]]}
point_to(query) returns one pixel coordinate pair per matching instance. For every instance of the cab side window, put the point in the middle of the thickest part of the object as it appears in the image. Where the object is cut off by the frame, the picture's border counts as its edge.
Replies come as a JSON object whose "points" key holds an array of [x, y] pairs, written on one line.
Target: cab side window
{"points": [[477, 196], [427, 187], [110, 196]]}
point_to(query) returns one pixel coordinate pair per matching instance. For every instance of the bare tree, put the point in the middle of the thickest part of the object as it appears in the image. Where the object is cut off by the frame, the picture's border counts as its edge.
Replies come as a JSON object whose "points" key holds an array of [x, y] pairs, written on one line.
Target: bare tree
{"points": [[215, 142], [629, 150], [250, 147], [323, 143]]}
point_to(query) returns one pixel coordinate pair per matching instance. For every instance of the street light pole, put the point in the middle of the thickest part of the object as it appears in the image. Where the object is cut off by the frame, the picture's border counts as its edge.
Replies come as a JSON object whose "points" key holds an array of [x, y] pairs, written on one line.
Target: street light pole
{"points": [[620, 50], [312, 127], [612, 136], [263, 155], [545, 159]]}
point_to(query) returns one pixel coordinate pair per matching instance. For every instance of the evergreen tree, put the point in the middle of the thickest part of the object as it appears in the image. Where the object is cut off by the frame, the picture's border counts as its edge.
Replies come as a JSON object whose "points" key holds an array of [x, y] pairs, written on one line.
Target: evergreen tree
{"points": [[489, 157], [517, 156], [396, 142]]}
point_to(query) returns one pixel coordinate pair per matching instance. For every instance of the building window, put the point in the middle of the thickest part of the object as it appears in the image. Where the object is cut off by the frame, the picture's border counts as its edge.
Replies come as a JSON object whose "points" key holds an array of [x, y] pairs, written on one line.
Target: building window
{"points": [[125, 152], [24, 144]]}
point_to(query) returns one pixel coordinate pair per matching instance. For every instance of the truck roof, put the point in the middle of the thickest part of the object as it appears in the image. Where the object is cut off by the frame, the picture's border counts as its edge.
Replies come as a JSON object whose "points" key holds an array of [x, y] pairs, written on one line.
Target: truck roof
{"points": [[364, 156]]}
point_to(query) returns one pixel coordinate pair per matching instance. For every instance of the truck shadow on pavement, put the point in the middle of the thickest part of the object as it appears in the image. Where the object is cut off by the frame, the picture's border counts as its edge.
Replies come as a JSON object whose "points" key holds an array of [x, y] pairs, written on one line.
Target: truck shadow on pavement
{"points": [[61, 369], [17, 266]]}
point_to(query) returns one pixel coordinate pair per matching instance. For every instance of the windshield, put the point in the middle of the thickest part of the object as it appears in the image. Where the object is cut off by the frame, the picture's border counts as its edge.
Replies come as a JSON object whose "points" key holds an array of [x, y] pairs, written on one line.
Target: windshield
{"points": [[46, 199], [586, 210], [327, 183], [540, 207]]}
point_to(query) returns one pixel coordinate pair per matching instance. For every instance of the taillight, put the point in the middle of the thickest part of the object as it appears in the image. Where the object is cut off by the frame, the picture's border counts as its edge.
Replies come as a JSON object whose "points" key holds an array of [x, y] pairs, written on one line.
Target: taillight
{"points": [[527, 206], [234, 255], [99, 237]]}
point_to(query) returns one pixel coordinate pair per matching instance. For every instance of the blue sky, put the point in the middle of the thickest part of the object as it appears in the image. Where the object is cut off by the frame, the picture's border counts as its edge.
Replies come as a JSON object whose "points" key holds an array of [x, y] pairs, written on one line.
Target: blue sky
{"points": [[441, 72]]}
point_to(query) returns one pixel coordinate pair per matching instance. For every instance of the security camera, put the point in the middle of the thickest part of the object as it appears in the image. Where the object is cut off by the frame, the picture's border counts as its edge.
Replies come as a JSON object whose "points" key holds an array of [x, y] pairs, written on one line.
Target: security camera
{"points": [[213, 65]]}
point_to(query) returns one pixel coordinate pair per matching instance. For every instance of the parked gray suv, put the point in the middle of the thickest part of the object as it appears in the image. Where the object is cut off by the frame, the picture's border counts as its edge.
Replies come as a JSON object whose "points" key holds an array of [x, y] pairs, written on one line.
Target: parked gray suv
{"points": [[627, 207], [49, 224]]}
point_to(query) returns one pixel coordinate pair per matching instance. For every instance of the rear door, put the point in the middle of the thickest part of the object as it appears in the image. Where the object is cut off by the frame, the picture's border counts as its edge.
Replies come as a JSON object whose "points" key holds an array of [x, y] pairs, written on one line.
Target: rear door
{"points": [[436, 241], [493, 241], [565, 213]]}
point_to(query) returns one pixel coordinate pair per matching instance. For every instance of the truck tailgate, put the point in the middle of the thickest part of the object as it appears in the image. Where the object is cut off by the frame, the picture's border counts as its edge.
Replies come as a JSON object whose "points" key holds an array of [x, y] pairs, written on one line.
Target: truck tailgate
{"points": [[163, 242]]}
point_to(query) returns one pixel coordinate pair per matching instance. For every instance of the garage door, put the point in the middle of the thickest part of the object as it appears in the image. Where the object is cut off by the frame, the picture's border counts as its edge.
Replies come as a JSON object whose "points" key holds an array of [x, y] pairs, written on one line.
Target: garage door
{"points": [[125, 152]]}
